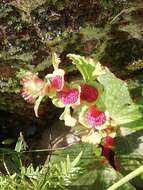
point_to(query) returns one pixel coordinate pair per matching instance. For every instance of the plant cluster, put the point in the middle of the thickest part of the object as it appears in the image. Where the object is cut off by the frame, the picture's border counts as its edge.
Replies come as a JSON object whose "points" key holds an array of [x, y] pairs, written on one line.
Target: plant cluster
{"points": [[51, 176], [95, 106]]}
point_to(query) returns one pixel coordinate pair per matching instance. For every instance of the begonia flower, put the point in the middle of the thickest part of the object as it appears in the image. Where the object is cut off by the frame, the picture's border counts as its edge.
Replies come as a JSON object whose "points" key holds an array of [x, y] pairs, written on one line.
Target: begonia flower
{"points": [[32, 86], [88, 93], [56, 79], [69, 96], [95, 117]]}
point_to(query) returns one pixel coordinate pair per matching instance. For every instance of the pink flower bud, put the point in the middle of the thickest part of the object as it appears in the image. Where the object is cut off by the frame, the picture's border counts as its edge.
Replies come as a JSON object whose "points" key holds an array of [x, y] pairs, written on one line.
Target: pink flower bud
{"points": [[69, 96], [88, 93], [95, 117]]}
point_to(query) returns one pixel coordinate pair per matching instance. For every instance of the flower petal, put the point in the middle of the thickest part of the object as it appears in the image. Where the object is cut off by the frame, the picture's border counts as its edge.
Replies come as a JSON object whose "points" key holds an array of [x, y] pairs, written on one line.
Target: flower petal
{"points": [[32, 86], [56, 79], [69, 96], [90, 136], [66, 116], [95, 117], [88, 93]]}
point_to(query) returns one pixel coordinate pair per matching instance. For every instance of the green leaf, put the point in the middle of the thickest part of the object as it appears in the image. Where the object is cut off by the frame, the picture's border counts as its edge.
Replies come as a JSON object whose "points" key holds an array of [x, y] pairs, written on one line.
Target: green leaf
{"points": [[45, 64], [20, 145], [85, 66], [8, 141], [88, 153], [77, 159], [96, 172], [99, 175], [129, 154], [119, 103], [55, 61]]}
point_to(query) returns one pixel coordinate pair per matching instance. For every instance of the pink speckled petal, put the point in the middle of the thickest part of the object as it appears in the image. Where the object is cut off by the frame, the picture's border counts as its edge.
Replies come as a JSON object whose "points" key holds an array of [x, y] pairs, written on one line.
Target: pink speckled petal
{"points": [[69, 96], [95, 117]]}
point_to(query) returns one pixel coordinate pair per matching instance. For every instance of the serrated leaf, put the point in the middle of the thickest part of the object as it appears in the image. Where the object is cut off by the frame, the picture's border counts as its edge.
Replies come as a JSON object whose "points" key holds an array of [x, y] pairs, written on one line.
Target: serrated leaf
{"points": [[43, 65], [129, 154], [76, 160], [99, 175], [119, 103], [96, 173], [55, 61], [20, 145], [74, 150], [88, 67]]}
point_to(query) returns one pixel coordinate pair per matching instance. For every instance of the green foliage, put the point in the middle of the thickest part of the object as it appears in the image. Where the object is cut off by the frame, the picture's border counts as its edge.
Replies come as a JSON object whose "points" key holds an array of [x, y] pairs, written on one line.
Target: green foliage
{"points": [[27, 5], [89, 68], [129, 154], [43, 65], [9, 86], [116, 97], [25, 57], [54, 175], [96, 172], [136, 65], [119, 103]]}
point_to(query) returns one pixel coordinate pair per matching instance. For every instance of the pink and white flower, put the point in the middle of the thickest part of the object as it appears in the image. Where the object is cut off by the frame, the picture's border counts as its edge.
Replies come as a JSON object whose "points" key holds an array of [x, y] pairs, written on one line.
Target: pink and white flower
{"points": [[94, 117], [69, 96], [56, 79], [32, 86]]}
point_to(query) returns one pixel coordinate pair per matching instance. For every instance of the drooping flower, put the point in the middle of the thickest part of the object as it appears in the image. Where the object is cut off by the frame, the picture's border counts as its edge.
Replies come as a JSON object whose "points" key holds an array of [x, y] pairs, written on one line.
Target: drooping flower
{"points": [[56, 79], [32, 86], [88, 93], [69, 96], [95, 117]]}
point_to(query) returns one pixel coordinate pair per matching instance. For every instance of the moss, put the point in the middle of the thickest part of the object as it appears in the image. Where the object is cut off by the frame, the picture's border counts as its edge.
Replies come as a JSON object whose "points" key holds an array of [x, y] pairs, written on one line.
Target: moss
{"points": [[30, 30], [136, 65], [9, 86]]}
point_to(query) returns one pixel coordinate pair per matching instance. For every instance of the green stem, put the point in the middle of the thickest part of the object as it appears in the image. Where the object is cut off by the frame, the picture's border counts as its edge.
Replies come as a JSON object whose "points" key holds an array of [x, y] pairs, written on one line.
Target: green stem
{"points": [[126, 178]]}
